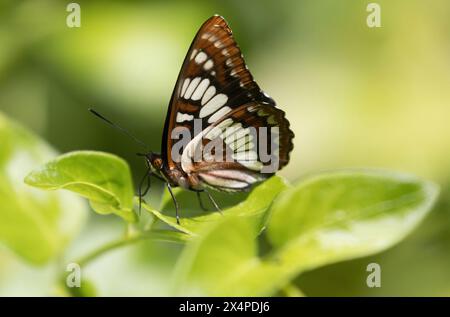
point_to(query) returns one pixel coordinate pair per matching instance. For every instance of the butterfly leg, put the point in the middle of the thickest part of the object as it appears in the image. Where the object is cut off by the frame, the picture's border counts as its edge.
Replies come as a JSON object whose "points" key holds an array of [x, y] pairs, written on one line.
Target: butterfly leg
{"points": [[174, 201], [141, 193], [201, 202], [211, 199]]}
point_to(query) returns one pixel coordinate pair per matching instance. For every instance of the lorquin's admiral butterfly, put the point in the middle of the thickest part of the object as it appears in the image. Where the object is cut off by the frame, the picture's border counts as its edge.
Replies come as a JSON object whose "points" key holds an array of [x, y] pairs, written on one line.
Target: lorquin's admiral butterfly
{"points": [[239, 123]]}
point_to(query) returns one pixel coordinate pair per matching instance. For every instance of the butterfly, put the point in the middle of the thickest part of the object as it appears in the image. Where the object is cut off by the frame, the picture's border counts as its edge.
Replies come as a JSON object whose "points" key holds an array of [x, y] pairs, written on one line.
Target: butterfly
{"points": [[216, 90], [236, 136]]}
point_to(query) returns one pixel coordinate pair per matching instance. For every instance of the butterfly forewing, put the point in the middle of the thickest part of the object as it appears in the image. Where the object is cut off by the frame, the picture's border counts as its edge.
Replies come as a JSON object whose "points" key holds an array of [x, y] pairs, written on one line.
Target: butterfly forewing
{"points": [[213, 75], [216, 89]]}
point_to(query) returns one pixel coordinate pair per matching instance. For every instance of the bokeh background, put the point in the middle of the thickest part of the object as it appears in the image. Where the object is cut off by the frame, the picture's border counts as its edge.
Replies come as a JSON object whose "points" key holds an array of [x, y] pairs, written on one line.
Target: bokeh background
{"points": [[355, 96]]}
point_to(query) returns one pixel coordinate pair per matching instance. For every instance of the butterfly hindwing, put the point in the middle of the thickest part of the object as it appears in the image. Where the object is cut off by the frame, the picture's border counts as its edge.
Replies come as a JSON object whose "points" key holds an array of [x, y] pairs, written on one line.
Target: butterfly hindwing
{"points": [[246, 146]]}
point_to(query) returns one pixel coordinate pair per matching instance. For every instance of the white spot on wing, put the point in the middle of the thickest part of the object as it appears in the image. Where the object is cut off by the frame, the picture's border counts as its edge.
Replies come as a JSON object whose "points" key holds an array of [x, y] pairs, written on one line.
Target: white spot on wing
{"points": [[218, 129], [243, 144], [210, 92], [225, 123], [241, 133], [252, 108], [245, 156], [201, 57], [231, 130], [208, 65], [190, 150], [219, 114], [223, 182], [253, 165], [194, 52], [200, 90], [185, 85], [181, 117], [214, 133], [231, 138], [213, 105], [237, 137], [191, 87], [234, 174]]}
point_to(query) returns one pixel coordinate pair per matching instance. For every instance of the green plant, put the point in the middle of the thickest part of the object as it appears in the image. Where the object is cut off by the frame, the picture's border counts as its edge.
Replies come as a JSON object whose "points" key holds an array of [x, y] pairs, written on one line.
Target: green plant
{"points": [[35, 226], [322, 219], [260, 244]]}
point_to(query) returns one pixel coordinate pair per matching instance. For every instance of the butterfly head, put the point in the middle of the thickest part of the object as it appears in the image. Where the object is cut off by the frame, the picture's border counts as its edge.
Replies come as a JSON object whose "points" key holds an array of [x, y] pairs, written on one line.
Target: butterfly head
{"points": [[154, 161]]}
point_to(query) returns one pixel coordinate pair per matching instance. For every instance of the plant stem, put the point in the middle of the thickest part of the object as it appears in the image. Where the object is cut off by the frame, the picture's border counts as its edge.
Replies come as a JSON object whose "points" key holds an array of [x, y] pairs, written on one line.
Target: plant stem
{"points": [[156, 235]]}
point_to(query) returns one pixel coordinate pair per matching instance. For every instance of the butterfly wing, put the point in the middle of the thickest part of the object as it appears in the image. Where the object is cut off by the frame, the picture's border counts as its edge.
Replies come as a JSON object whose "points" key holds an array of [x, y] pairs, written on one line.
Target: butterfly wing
{"points": [[213, 75], [216, 90], [248, 145]]}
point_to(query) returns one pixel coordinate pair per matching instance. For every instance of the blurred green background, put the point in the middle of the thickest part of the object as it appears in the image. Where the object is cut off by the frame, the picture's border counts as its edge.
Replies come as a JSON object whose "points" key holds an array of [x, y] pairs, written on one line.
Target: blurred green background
{"points": [[355, 96]]}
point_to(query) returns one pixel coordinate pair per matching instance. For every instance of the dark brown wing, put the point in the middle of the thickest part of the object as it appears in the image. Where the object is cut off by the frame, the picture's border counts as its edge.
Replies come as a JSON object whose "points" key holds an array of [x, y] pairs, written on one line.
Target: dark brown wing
{"points": [[247, 145], [214, 62], [216, 90]]}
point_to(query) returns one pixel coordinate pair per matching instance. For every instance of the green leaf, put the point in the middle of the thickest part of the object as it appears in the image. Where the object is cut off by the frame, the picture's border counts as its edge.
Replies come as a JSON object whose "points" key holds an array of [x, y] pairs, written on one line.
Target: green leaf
{"points": [[324, 219], [223, 261], [255, 205], [35, 226], [103, 178], [222, 249], [347, 214], [87, 289]]}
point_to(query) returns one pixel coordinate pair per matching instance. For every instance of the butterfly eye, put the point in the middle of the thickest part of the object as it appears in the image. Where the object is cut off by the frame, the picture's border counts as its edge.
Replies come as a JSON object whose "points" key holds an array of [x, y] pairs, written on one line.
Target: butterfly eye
{"points": [[157, 163]]}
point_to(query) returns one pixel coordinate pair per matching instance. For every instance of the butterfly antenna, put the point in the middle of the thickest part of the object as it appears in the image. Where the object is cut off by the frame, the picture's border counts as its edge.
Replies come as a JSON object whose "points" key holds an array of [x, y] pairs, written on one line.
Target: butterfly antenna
{"points": [[123, 130]]}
